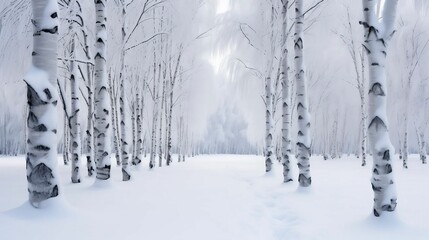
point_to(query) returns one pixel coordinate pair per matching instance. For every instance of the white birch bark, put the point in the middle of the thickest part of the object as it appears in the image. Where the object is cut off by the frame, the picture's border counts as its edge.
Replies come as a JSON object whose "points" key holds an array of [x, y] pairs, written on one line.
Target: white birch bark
{"points": [[74, 118], [115, 120], [269, 103], [268, 125], [138, 132], [377, 35], [405, 150], [304, 136], [89, 143], [125, 147], [171, 105], [160, 122], [362, 110], [90, 132], [65, 141], [140, 127], [117, 133], [169, 120], [125, 143], [286, 119], [41, 160], [154, 127], [422, 147], [75, 104], [102, 108], [133, 130]]}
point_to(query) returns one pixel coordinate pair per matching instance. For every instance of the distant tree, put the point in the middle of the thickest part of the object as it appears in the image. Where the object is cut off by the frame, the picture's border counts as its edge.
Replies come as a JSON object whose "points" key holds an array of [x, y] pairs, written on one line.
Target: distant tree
{"points": [[172, 82], [358, 58], [414, 44]]}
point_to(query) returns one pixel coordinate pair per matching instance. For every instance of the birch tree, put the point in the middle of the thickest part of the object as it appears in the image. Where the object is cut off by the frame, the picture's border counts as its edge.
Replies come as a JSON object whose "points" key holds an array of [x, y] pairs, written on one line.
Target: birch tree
{"points": [[358, 58], [41, 161], [378, 26], [89, 143], [414, 45], [140, 120], [114, 118], [172, 83], [74, 114], [125, 147], [268, 125], [421, 144], [286, 142], [155, 97], [304, 136], [269, 102], [102, 108], [138, 130], [164, 85]]}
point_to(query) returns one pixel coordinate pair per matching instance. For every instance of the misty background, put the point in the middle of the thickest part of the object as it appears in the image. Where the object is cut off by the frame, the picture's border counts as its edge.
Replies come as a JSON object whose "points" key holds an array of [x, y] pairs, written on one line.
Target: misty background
{"points": [[225, 47]]}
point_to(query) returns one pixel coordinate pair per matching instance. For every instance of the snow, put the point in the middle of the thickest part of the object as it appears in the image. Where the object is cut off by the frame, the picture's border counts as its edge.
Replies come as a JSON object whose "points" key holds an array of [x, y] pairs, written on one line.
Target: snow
{"points": [[38, 79], [218, 197]]}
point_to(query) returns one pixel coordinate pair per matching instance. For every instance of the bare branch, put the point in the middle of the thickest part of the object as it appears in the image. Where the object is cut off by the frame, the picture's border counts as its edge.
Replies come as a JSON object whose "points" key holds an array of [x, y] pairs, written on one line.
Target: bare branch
{"points": [[145, 41]]}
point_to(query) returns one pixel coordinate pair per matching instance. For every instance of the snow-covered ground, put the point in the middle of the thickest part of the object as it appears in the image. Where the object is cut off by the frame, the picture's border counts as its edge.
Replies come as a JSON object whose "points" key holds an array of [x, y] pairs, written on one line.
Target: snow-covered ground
{"points": [[218, 197]]}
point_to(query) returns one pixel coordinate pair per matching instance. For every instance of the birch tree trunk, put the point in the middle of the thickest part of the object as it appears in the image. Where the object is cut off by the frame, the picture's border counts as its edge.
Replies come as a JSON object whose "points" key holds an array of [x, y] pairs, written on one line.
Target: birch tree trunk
{"points": [[362, 109], [171, 105], [363, 131], [303, 140], [154, 126], [41, 160], [170, 117], [269, 102], [268, 125], [102, 108], [89, 87], [422, 147], [138, 128], [405, 151], [160, 122], [115, 125], [154, 118], [125, 147], [286, 142], [167, 118], [421, 144], [133, 129], [74, 115], [377, 35], [90, 133], [66, 141]]}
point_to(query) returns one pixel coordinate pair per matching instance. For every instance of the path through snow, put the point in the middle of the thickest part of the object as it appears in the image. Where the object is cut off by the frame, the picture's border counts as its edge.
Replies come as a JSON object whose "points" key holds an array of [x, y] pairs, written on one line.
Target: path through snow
{"points": [[217, 197]]}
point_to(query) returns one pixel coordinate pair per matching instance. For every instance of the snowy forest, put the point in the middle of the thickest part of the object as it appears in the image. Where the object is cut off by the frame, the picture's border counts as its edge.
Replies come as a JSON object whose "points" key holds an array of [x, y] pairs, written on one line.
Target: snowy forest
{"points": [[214, 119]]}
